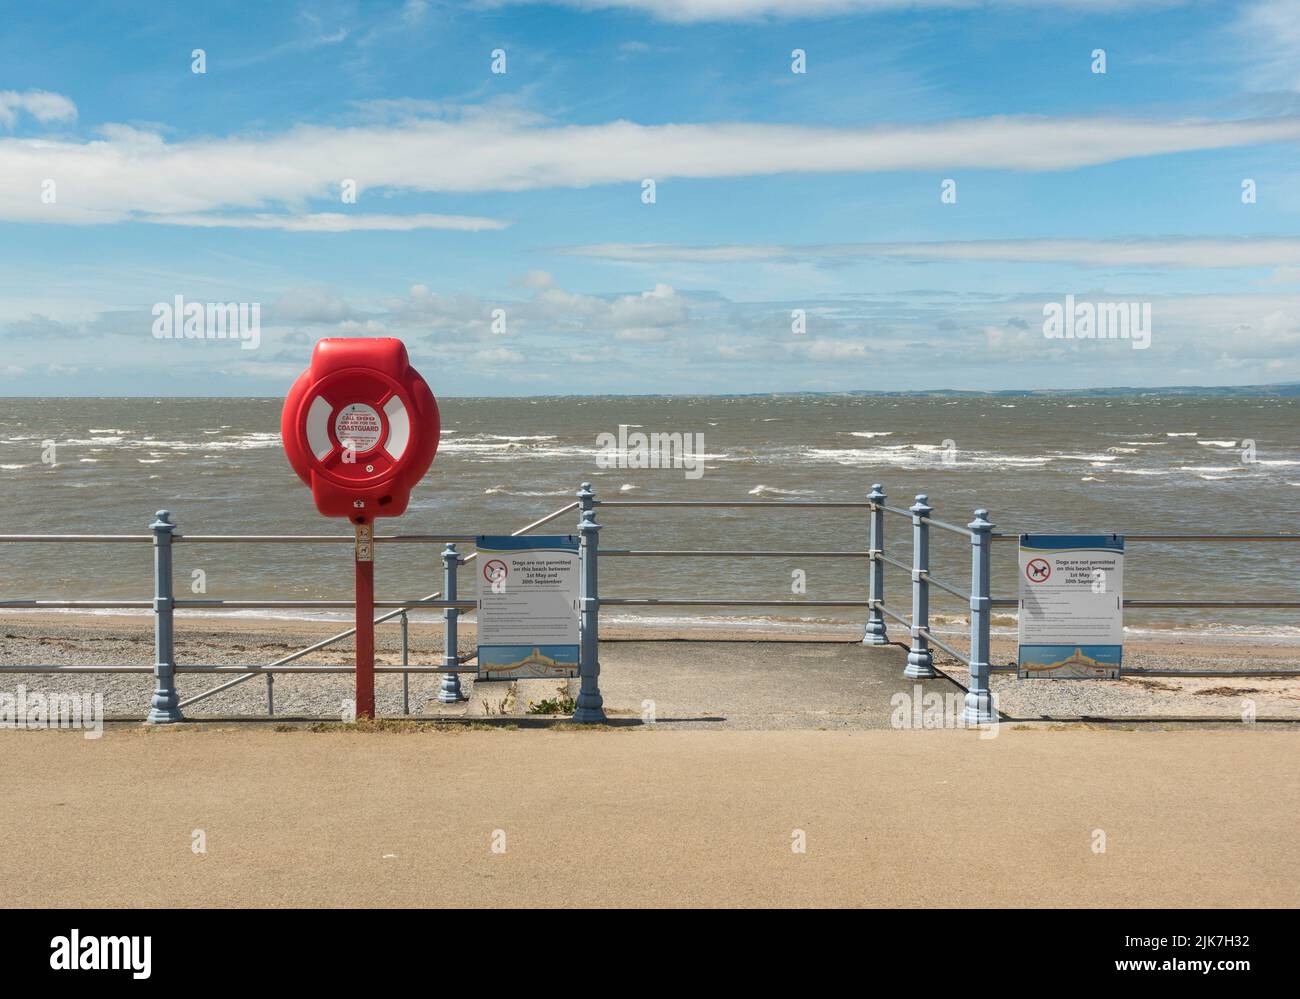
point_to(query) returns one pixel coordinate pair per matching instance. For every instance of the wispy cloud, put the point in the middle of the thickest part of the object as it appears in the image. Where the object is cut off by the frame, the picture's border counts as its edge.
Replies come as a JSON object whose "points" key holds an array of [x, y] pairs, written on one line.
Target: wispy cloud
{"points": [[130, 173], [335, 222], [1269, 31], [963, 341], [692, 11], [42, 105], [1257, 251]]}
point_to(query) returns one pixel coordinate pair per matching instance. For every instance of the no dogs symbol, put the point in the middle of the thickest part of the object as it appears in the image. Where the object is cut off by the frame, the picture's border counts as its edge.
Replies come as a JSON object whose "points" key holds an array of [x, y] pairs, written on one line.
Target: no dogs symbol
{"points": [[1038, 570], [495, 571]]}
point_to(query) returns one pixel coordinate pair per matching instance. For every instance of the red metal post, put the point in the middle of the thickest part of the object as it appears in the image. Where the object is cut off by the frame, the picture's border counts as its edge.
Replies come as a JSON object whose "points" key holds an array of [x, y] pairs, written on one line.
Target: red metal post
{"points": [[365, 564]]}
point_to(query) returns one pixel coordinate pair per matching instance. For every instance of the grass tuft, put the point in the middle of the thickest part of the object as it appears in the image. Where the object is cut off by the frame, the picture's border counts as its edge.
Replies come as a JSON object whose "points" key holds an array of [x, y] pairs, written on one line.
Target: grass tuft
{"points": [[553, 706]]}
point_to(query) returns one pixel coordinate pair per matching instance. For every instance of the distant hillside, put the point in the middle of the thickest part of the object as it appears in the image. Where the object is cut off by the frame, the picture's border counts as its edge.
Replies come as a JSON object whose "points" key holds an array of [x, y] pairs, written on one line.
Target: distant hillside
{"points": [[1282, 390]]}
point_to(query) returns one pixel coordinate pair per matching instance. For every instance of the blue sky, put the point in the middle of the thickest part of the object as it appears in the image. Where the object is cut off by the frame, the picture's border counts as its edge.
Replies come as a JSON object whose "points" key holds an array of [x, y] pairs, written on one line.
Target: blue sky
{"points": [[520, 194]]}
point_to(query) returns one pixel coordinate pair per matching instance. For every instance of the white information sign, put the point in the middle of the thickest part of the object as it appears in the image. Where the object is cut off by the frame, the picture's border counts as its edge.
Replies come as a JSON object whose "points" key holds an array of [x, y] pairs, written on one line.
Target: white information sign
{"points": [[1071, 605], [527, 607]]}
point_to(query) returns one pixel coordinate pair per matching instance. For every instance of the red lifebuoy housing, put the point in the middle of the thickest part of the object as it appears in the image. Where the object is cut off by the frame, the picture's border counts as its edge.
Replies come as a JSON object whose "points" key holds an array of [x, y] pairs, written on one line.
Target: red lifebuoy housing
{"points": [[360, 426]]}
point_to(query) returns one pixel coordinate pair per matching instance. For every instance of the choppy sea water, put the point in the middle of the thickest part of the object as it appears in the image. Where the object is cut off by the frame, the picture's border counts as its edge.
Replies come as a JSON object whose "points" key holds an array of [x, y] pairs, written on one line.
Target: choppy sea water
{"points": [[1130, 465]]}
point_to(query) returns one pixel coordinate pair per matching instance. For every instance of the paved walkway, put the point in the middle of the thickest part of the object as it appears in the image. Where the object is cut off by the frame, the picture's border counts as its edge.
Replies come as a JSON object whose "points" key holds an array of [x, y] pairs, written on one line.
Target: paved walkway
{"points": [[649, 816], [742, 685]]}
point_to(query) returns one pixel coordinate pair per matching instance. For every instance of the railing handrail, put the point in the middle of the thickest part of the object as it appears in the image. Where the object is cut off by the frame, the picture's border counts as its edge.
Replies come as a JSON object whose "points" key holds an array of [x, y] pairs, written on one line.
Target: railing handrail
{"points": [[352, 631], [243, 538], [738, 503], [1003, 536], [737, 554], [471, 538]]}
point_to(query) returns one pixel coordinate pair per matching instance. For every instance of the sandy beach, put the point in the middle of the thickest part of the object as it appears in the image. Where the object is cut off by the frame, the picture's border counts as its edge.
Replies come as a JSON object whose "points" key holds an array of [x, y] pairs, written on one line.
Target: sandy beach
{"points": [[740, 677]]}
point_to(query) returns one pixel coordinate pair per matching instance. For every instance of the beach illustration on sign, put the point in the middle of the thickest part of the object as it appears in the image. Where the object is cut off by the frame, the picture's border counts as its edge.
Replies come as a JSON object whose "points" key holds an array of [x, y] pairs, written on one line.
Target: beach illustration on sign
{"points": [[518, 662], [1051, 660]]}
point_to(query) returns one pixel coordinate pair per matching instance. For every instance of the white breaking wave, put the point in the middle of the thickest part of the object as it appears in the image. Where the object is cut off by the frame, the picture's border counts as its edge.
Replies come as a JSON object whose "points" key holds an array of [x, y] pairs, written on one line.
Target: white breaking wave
{"points": [[915, 455], [521, 437], [762, 490]]}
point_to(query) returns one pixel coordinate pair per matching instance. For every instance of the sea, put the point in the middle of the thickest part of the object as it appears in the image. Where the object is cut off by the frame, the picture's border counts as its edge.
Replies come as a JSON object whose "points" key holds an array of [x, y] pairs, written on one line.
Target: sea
{"points": [[1056, 464]]}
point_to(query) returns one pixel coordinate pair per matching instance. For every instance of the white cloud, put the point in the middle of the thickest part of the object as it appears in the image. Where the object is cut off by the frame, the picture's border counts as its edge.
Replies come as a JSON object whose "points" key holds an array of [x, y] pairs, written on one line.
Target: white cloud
{"points": [[658, 308], [131, 174], [334, 222], [1270, 32], [498, 355], [688, 11], [651, 315], [42, 105], [822, 349], [1263, 251], [907, 340], [414, 10], [537, 279], [311, 305]]}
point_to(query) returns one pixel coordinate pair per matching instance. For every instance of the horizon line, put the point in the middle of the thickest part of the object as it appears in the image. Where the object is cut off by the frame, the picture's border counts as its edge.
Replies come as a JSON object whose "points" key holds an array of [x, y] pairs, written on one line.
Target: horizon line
{"points": [[1262, 390]]}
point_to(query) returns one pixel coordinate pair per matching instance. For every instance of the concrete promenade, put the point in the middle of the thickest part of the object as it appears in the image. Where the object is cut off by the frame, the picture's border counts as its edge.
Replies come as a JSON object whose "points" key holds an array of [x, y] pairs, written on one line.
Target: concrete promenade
{"points": [[650, 816]]}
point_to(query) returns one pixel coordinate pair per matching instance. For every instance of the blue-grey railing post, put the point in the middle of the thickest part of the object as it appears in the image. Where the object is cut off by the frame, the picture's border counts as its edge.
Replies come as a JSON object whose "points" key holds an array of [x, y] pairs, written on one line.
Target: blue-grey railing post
{"points": [[406, 661], [979, 699], [449, 690], [165, 704], [270, 693], [875, 630], [920, 663], [590, 706]]}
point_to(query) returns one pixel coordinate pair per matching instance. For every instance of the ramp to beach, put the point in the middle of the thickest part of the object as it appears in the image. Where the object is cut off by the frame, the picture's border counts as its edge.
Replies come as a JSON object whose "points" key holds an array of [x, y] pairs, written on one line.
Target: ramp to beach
{"points": [[731, 684]]}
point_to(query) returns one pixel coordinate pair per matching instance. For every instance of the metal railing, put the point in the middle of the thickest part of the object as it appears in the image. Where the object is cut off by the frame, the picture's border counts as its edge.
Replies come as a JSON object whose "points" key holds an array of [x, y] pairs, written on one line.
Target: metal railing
{"points": [[166, 705], [978, 708], [981, 533]]}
